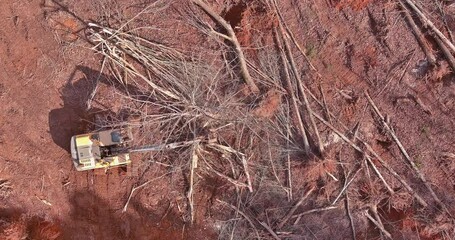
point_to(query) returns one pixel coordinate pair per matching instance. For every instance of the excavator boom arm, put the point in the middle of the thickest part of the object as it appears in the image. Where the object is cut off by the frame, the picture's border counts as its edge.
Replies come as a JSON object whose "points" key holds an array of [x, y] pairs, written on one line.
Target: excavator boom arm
{"points": [[161, 147]]}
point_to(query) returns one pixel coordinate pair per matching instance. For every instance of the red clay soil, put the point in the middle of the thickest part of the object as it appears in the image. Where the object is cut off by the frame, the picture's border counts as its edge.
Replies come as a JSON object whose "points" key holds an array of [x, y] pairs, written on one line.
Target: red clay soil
{"points": [[47, 71], [45, 76]]}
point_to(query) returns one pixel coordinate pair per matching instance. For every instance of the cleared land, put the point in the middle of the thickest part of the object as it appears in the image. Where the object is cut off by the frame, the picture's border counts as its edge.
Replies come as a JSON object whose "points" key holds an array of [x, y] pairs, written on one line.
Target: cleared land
{"points": [[308, 119]]}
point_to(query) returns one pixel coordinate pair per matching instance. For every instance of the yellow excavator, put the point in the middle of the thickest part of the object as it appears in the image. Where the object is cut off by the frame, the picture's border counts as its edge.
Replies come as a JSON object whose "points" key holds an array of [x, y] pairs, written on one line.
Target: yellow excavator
{"points": [[110, 148]]}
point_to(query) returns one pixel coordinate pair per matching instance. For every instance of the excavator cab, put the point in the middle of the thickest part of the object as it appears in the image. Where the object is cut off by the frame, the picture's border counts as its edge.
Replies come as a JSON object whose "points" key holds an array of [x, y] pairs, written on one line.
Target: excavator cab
{"points": [[103, 149]]}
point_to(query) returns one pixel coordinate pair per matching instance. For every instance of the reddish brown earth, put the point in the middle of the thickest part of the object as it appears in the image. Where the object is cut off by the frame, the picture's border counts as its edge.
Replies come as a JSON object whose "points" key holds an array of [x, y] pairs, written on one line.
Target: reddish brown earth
{"points": [[47, 71]]}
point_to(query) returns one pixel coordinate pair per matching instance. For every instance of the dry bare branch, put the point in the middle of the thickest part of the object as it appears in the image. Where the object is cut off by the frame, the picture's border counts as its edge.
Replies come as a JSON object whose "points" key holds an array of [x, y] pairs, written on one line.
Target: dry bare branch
{"points": [[376, 155], [242, 158], [288, 161], [324, 102], [229, 179], [134, 189], [302, 88], [396, 175], [449, 57], [442, 12], [419, 36], [404, 152], [346, 185], [88, 103], [389, 189], [430, 24], [425, 47], [193, 166], [351, 220], [243, 214], [316, 210], [233, 39], [378, 225], [272, 165], [270, 230], [293, 39], [291, 93], [112, 40], [294, 208], [401, 75]]}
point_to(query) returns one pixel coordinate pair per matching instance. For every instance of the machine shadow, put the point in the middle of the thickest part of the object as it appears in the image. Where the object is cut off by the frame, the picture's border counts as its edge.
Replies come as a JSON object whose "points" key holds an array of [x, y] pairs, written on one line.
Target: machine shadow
{"points": [[74, 117], [92, 217]]}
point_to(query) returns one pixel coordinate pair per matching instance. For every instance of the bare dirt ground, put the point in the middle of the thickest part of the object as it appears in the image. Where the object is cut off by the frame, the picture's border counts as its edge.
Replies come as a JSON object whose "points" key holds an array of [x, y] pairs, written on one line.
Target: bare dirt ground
{"points": [[48, 71]]}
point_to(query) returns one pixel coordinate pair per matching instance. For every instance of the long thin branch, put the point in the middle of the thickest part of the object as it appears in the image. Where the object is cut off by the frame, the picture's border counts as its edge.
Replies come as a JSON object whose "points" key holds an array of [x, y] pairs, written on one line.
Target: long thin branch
{"points": [[430, 24], [229, 179], [376, 155], [404, 152], [444, 19], [243, 160], [243, 214], [378, 225], [233, 39], [95, 88], [324, 102], [403, 72], [193, 166], [288, 158], [294, 208], [346, 186], [247, 173], [117, 59], [316, 210], [351, 220], [291, 93], [346, 193], [396, 175], [139, 187], [425, 47], [294, 40], [389, 189], [449, 57], [419, 36], [270, 230], [301, 87], [374, 209]]}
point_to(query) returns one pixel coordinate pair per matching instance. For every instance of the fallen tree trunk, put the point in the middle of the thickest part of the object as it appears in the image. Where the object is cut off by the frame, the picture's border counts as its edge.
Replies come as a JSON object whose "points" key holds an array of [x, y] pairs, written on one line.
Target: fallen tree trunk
{"points": [[233, 39], [431, 25]]}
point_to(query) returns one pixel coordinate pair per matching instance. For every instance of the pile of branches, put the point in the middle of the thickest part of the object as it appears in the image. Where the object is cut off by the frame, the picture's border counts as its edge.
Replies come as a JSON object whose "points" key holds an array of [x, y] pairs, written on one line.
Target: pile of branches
{"points": [[202, 101], [179, 98]]}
